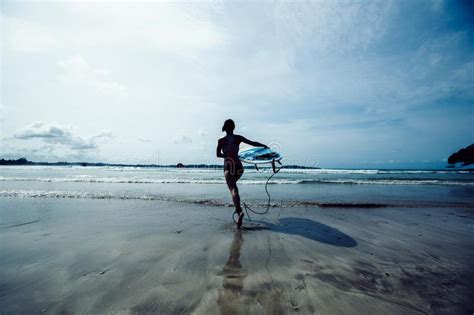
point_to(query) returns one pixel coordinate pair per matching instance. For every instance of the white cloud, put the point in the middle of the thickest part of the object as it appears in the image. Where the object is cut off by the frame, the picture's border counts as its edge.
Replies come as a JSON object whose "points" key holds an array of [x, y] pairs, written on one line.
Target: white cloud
{"points": [[203, 132], [164, 26], [56, 134], [182, 140], [78, 71], [143, 139], [3, 111], [103, 135], [25, 36]]}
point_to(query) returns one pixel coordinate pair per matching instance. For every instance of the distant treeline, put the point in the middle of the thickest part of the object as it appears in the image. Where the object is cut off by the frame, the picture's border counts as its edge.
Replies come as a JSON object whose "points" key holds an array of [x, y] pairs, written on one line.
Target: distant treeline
{"points": [[464, 155], [24, 161], [21, 161]]}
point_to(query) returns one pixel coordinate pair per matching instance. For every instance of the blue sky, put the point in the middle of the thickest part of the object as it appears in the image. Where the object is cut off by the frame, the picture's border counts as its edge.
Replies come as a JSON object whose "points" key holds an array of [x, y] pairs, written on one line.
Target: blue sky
{"points": [[328, 83]]}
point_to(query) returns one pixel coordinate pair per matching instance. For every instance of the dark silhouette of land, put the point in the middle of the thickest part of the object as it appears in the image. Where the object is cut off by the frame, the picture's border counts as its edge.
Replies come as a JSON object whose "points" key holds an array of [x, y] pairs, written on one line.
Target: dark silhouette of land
{"points": [[465, 156], [24, 161], [21, 161]]}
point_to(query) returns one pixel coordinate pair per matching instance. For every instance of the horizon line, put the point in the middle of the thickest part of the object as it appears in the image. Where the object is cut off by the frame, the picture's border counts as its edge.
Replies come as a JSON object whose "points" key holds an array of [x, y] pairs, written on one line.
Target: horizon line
{"points": [[24, 161]]}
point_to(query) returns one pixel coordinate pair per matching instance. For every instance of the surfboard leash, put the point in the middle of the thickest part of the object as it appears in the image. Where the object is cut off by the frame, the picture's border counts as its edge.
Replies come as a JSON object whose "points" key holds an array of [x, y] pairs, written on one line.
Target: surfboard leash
{"points": [[247, 208]]}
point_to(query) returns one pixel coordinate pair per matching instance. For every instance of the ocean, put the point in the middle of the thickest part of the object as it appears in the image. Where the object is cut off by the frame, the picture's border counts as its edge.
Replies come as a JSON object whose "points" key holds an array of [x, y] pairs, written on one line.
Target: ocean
{"points": [[288, 188]]}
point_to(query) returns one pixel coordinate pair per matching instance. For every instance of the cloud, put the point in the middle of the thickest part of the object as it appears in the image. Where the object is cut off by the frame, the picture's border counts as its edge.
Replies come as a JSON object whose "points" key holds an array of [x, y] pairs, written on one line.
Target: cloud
{"points": [[25, 36], [162, 26], [329, 27], [203, 132], [47, 153], [182, 140], [57, 134], [3, 111], [437, 6], [103, 136], [142, 139], [78, 71]]}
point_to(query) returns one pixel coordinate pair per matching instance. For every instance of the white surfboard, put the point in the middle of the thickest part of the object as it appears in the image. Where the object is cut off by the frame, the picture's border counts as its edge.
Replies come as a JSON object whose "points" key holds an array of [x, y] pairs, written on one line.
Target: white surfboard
{"points": [[259, 155]]}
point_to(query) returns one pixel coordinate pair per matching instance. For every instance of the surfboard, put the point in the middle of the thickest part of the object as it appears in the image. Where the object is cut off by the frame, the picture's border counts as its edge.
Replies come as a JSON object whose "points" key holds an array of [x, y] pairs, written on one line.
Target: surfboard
{"points": [[259, 155]]}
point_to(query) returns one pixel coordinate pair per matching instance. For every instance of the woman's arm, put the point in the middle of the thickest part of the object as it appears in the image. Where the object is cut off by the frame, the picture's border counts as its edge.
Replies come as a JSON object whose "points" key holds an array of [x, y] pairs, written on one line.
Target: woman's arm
{"points": [[253, 143], [219, 150]]}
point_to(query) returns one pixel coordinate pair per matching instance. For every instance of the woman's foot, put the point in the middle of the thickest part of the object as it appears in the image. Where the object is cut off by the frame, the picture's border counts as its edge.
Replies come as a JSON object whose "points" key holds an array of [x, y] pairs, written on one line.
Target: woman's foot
{"points": [[240, 219]]}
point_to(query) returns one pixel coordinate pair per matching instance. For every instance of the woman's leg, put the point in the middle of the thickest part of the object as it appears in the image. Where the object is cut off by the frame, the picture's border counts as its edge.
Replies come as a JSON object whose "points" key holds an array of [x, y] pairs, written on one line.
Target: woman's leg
{"points": [[231, 181], [232, 173]]}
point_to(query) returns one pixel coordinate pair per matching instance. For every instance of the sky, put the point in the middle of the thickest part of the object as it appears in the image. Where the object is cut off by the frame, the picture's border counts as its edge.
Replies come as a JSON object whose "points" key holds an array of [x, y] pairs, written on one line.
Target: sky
{"points": [[359, 84]]}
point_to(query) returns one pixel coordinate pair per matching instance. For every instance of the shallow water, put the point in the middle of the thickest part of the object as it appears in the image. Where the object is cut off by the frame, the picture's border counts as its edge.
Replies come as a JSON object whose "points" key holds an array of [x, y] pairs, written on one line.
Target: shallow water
{"points": [[288, 188]]}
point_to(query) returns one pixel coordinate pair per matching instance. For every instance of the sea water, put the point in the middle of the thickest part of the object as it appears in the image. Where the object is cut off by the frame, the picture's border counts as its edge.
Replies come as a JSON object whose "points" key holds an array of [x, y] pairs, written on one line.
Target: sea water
{"points": [[288, 188]]}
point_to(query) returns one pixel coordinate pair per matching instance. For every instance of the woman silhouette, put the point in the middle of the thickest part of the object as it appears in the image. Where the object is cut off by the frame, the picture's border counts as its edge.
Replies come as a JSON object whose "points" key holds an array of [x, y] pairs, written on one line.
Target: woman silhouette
{"points": [[228, 148]]}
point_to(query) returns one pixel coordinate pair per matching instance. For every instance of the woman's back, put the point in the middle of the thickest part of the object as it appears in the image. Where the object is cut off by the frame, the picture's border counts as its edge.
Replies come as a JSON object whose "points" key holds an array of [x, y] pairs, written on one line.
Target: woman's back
{"points": [[230, 146]]}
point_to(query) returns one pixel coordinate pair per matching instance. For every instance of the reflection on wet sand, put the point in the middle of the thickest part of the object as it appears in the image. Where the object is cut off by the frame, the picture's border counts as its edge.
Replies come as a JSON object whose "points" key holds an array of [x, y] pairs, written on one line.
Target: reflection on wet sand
{"points": [[233, 299], [229, 298]]}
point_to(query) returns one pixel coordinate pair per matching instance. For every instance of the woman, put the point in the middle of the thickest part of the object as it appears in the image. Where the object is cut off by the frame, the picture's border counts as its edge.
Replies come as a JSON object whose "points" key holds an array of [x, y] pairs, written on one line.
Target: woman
{"points": [[228, 148]]}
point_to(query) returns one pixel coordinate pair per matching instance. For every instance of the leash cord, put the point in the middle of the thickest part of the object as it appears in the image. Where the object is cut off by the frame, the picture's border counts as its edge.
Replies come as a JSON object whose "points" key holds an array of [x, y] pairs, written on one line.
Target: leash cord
{"points": [[247, 208]]}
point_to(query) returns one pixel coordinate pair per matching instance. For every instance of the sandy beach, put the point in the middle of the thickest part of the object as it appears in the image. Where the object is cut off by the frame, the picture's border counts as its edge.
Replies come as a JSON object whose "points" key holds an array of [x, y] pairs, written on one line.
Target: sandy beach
{"points": [[62, 256]]}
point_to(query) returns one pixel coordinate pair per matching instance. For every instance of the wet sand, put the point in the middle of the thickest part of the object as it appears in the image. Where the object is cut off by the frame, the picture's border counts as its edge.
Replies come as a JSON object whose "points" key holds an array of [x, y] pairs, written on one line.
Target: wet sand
{"points": [[141, 257]]}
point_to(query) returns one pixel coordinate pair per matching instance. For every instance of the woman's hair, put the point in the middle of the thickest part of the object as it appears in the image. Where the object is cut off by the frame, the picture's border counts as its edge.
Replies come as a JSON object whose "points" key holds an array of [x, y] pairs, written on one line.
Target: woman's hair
{"points": [[228, 126]]}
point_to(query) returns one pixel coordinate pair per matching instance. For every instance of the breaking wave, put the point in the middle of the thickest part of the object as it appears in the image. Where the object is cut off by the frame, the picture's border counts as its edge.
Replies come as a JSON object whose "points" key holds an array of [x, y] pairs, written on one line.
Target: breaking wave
{"points": [[123, 180]]}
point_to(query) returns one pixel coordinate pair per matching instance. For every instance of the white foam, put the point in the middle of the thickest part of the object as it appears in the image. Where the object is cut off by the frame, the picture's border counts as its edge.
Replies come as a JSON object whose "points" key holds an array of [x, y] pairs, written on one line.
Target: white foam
{"points": [[22, 193], [112, 180], [124, 180], [388, 182], [368, 171]]}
